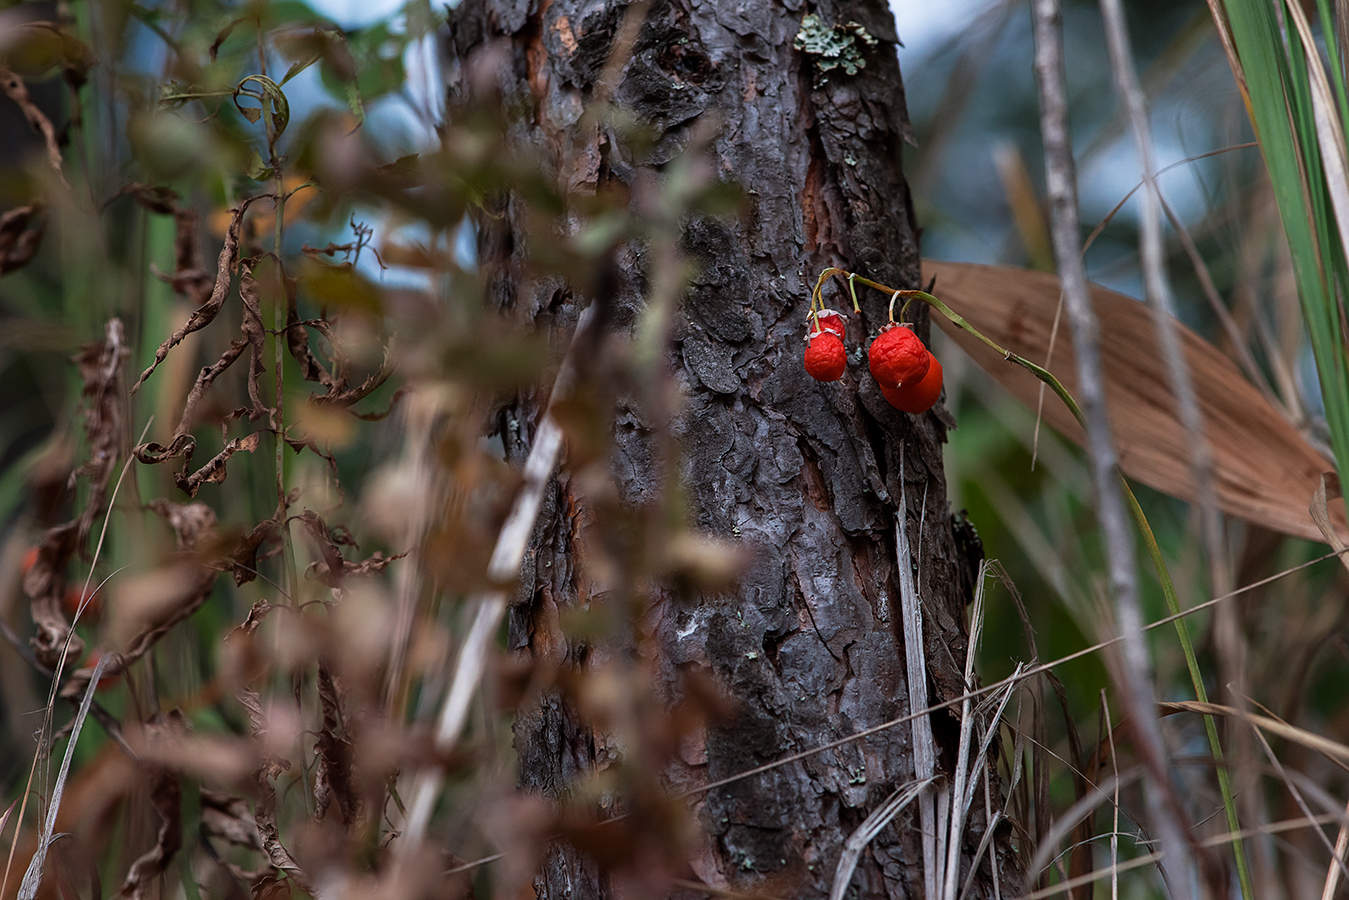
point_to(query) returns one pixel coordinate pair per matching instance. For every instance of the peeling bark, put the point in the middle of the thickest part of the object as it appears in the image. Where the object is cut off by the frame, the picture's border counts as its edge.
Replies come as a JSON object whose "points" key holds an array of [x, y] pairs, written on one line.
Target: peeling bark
{"points": [[803, 474]]}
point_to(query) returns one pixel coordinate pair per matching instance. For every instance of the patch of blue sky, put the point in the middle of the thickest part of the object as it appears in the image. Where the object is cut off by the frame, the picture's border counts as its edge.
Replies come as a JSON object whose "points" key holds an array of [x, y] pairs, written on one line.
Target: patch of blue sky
{"points": [[400, 123]]}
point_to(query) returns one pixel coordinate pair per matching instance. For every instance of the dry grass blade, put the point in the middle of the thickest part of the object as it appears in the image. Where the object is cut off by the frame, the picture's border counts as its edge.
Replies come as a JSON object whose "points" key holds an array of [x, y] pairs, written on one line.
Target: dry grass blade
{"points": [[960, 781], [33, 877], [1065, 823], [1331, 749], [1335, 860], [9, 811], [924, 748], [1327, 489], [993, 820], [1333, 873], [858, 840], [1151, 858], [1265, 471]]}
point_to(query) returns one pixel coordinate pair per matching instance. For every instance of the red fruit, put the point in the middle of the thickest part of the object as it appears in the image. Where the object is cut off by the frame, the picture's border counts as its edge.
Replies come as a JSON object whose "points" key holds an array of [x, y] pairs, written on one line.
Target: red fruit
{"points": [[830, 320], [917, 396], [825, 357], [897, 357]]}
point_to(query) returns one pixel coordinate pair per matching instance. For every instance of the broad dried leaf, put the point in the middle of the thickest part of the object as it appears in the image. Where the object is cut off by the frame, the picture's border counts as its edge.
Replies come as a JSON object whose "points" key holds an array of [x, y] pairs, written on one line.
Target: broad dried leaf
{"points": [[1265, 471]]}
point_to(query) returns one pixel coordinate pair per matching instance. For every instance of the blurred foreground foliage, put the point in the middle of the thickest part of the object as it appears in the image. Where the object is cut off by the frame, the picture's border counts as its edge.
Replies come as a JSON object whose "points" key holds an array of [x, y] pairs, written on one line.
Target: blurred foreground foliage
{"points": [[258, 244]]}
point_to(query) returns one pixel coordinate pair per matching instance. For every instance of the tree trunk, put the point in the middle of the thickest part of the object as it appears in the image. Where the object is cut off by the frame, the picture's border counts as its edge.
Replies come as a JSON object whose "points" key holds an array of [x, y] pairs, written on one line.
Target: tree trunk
{"points": [[806, 475]]}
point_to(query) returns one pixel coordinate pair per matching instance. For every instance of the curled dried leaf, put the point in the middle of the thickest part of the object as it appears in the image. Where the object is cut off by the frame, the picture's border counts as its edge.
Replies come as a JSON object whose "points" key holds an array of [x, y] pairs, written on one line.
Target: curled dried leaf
{"points": [[214, 470], [100, 370], [228, 818], [21, 231], [264, 810], [17, 91], [205, 314], [153, 453], [333, 752], [252, 339], [333, 567], [244, 560], [192, 523]]}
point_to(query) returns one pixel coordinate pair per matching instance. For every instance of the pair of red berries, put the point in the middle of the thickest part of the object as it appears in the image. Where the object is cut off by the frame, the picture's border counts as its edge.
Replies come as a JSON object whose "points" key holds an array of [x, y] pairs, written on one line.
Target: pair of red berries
{"points": [[909, 376]]}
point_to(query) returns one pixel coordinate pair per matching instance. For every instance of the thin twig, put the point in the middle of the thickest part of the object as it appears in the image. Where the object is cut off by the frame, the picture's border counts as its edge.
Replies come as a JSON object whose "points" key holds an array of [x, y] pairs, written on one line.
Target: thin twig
{"points": [[1060, 179], [1217, 840], [1341, 845], [33, 876], [1011, 680], [1335, 861], [1158, 292], [1114, 824], [997, 685]]}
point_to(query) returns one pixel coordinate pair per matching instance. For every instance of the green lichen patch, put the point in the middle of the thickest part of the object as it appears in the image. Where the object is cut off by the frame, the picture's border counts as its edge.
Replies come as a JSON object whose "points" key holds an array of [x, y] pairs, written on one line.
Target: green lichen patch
{"points": [[834, 46]]}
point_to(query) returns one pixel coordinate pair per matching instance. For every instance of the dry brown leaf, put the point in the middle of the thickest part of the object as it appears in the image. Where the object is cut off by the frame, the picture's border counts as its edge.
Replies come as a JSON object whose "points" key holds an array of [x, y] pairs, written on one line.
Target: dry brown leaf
{"points": [[17, 91], [333, 779], [214, 470], [21, 231], [205, 313], [1265, 471]]}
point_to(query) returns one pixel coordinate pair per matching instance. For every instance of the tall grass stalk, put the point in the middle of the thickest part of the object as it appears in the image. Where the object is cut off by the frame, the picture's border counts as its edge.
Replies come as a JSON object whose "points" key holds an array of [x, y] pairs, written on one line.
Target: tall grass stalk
{"points": [[1271, 62]]}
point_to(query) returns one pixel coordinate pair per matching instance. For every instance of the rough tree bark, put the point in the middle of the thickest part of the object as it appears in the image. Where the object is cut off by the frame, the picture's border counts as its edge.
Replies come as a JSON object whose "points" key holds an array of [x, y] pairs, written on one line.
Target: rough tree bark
{"points": [[805, 474]]}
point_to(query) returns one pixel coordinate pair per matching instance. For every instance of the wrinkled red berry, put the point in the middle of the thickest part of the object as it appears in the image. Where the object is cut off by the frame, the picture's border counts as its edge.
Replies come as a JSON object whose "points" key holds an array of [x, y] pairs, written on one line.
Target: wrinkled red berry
{"points": [[917, 396], [830, 320], [825, 356], [897, 357]]}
